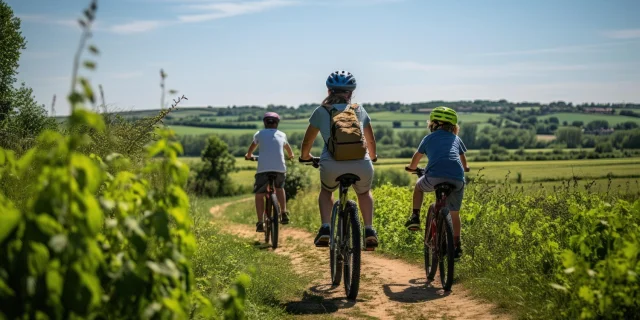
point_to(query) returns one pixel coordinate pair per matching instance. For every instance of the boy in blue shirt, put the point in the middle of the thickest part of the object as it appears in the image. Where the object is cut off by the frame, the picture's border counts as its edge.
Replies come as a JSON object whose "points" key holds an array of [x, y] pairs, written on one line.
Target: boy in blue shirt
{"points": [[447, 163]]}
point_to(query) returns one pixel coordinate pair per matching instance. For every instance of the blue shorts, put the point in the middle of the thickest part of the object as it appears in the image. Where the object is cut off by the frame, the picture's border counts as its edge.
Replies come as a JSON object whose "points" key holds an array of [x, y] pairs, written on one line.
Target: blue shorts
{"points": [[454, 200]]}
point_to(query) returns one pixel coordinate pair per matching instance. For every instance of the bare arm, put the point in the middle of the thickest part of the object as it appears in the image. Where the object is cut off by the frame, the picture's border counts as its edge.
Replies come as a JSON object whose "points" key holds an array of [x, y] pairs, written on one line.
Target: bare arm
{"points": [[307, 142], [463, 159], [371, 141], [287, 147], [414, 161], [252, 148]]}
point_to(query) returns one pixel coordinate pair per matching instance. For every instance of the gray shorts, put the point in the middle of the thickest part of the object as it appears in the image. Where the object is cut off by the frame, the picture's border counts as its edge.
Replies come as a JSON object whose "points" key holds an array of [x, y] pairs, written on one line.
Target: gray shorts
{"points": [[331, 169], [262, 180], [454, 200]]}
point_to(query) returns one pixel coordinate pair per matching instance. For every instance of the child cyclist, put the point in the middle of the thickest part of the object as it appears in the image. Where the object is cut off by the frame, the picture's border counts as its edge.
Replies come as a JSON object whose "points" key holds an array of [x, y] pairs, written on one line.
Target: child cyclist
{"points": [[272, 144], [447, 163]]}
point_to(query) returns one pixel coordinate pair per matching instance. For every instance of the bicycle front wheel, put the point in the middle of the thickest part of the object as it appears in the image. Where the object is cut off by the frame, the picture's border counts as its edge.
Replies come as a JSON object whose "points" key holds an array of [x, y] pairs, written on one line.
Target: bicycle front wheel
{"points": [[275, 214], [446, 249], [352, 250]]}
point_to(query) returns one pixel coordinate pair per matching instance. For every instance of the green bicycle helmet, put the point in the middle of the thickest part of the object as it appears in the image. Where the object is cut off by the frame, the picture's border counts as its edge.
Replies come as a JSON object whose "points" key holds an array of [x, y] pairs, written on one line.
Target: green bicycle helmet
{"points": [[444, 114]]}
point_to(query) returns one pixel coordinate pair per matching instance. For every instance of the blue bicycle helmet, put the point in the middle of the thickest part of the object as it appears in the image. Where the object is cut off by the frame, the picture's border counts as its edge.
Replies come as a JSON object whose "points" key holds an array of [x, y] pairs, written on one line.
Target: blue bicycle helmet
{"points": [[341, 80]]}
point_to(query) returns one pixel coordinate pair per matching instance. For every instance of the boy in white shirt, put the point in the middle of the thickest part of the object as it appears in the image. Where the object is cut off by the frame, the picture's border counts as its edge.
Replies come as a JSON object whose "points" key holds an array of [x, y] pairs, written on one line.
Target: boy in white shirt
{"points": [[272, 143]]}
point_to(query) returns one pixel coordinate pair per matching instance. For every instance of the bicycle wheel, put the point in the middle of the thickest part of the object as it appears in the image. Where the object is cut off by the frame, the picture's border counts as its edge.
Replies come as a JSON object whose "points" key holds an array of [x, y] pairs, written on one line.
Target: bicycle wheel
{"points": [[266, 217], [275, 213], [430, 256], [351, 250], [335, 257], [446, 252]]}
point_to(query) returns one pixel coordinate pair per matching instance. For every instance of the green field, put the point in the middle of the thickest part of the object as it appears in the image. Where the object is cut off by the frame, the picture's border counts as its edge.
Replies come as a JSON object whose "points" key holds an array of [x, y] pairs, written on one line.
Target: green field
{"points": [[586, 118]]}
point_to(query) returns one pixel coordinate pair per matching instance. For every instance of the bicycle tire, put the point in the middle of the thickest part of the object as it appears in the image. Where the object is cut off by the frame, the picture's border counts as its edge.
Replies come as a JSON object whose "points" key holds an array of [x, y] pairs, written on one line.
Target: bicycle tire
{"points": [[430, 257], [266, 218], [274, 221], [351, 273], [447, 249], [335, 260]]}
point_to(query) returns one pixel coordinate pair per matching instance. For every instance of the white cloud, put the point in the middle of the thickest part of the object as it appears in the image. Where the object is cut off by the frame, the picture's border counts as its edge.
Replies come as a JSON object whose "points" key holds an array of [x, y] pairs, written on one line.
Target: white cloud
{"points": [[484, 71], [135, 26], [623, 34], [562, 49], [219, 10]]}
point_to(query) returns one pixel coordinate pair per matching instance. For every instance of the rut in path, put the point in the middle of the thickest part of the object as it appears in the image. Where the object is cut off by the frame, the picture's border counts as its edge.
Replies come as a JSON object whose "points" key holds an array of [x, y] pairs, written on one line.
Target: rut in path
{"points": [[389, 288]]}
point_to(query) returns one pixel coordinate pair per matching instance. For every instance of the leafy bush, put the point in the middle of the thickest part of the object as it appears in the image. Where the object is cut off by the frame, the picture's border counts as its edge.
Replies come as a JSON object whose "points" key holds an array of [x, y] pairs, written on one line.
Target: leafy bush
{"points": [[211, 177], [604, 147], [297, 179]]}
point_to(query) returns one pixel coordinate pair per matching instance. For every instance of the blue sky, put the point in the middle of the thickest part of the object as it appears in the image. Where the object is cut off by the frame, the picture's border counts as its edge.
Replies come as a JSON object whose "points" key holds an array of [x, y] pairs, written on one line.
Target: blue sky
{"points": [[225, 52]]}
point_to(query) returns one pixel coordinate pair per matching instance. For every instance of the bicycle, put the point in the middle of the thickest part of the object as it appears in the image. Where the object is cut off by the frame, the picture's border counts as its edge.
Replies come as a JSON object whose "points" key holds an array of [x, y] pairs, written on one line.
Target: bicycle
{"points": [[345, 244], [271, 214], [438, 236]]}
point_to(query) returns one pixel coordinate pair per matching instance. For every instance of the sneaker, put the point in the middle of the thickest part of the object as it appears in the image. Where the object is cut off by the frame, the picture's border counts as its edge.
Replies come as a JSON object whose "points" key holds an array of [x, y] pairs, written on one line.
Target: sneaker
{"points": [[260, 227], [413, 224], [285, 217], [458, 253], [322, 239], [370, 238]]}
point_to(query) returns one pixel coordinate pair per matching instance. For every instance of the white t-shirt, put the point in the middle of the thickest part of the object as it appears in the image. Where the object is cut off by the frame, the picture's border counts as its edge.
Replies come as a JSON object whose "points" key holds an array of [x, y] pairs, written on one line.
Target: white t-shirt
{"points": [[271, 144]]}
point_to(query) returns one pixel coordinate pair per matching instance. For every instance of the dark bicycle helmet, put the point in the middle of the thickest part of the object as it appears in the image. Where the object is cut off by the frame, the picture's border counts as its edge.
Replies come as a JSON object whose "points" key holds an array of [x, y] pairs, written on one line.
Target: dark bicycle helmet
{"points": [[341, 80]]}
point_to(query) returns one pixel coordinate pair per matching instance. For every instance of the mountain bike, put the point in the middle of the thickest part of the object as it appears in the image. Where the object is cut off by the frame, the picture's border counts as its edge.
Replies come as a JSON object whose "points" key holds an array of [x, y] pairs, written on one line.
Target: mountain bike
{"points": [[345, 244], [438, 236], [271, 214]]}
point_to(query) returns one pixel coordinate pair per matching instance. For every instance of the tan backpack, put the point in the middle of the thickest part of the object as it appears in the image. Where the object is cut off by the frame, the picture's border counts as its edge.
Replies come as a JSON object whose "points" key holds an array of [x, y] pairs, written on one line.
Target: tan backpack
{"points": [[346, 139]]}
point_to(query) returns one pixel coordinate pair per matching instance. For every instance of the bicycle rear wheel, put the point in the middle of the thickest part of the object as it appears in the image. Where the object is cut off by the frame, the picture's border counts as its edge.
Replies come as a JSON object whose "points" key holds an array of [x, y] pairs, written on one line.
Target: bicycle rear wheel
{"points": [[266, 218], [446, 249], [335, 256], [352, 250], [275, 213], [430, 256]]}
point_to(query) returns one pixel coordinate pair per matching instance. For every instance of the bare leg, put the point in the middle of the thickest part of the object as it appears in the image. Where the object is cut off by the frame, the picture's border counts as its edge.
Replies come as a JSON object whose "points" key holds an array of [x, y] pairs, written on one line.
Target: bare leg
{"points": [[455, 218], [417, 198], [365, 201], [282, 199], [325, 201], [259, 205]]}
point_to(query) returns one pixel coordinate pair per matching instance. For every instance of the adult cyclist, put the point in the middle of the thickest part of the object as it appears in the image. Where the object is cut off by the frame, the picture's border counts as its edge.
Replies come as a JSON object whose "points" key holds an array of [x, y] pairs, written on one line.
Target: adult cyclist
{"points": [[340, 85]]}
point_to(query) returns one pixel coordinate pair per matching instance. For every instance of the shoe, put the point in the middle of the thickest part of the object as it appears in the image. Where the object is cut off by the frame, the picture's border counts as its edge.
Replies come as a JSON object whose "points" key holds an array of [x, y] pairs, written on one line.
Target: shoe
{"points": [[458, 253], [322, 239], [260, 227], [285, 218], [413, 224], [370, 238]]}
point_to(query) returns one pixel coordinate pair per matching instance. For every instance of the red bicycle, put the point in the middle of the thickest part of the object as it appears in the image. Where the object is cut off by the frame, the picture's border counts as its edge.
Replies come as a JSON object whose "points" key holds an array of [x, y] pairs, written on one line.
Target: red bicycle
{"points": [[438, 236]]}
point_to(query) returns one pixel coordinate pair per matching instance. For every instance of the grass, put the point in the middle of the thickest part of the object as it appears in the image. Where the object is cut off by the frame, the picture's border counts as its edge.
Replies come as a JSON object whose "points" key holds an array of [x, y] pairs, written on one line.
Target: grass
{"points": [[220, 257]]}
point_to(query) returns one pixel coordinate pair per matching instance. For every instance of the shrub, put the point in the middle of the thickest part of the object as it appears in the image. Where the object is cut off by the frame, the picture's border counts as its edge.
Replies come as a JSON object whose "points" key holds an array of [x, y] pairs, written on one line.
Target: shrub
{"points": [[604, 147], [297, 179]]}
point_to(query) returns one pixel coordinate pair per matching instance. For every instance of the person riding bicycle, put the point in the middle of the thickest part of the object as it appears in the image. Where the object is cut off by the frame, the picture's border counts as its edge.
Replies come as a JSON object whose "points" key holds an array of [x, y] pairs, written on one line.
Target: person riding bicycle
{"points": [[272, 142], [340, 85], [446, 163]]}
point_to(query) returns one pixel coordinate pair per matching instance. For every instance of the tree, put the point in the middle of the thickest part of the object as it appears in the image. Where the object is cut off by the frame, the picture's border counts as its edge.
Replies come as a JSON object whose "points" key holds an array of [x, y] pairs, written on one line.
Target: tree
{"points": [[554, 120], [397, 124], [532, 120], [565, 123], [597, 124], [577, 124], [468, 134], [12, 43], [216, 153], [570, 135], [416, 123]]}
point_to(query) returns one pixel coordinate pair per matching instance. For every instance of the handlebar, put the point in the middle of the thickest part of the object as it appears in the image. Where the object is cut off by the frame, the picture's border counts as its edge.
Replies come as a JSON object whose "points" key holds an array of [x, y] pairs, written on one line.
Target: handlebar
{"points": [[421, 171], [254, 158], [314, 161]]}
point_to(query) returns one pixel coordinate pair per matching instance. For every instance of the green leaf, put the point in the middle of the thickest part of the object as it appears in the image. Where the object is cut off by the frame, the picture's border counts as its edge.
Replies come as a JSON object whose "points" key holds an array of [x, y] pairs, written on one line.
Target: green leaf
{"points": [[586, 294], [90, 65], [75, 98], [93, 49], [47, 224], [558, 287], [85, 117], [38, 258], [175, 307], [88, 91], [9, 218], [54, 282], [514, 229], [5, 290]]}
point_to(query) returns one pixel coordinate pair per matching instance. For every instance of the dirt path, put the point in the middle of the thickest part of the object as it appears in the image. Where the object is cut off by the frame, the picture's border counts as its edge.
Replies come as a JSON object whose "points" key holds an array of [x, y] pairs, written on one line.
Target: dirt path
{"points": [[389, 288]]}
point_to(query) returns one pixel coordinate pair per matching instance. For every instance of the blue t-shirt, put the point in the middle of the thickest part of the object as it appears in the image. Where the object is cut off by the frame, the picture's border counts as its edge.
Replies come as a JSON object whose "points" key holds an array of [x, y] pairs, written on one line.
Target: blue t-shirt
{"points": [[321, 120], [443, 149]]}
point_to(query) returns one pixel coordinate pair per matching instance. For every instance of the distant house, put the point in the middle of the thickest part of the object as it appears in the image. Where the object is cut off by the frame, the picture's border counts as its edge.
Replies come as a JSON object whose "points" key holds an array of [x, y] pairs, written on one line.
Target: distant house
{"points": [[599, 110]]}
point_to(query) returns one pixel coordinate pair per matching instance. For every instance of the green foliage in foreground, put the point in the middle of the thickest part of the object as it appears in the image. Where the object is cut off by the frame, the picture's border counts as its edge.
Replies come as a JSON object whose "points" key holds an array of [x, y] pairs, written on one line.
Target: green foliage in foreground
{"points": [[568, 254], [87, 237]]}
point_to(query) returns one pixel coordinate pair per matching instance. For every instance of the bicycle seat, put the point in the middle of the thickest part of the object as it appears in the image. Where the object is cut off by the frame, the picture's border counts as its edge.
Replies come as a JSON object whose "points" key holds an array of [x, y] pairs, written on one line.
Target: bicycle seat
{"points": [[445, 188], [348, 179]]}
